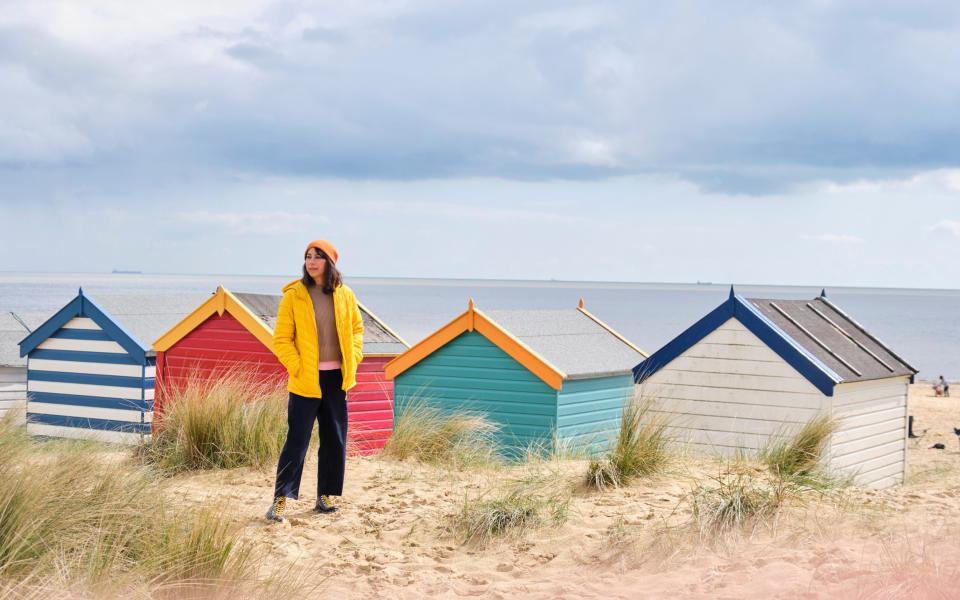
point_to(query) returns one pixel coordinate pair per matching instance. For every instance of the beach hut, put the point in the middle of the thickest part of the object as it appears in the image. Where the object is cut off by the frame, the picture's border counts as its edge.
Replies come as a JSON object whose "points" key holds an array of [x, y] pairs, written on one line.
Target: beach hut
{"points": [[13, 367], [539, 375], [233, 332], [90, 368], [756, 368]]}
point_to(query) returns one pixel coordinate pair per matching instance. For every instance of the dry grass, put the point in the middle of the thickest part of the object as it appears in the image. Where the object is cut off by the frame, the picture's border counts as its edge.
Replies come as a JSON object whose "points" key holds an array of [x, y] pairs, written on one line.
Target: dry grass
{"points": [[747, 494], [221, 424], [742, 496], [540, 498], [425, 433], [800, 456], [75, 519], [640, 449]]}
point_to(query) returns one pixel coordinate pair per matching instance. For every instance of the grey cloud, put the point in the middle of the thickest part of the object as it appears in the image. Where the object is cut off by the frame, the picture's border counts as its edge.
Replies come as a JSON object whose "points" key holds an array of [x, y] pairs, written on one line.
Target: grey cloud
{"points": [[253, 53], [736, 98], [324, 34]]}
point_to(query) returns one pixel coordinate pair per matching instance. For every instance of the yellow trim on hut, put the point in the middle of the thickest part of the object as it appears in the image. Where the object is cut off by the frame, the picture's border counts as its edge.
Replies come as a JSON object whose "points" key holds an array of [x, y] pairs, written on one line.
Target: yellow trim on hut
{"points": [[221, 301]]}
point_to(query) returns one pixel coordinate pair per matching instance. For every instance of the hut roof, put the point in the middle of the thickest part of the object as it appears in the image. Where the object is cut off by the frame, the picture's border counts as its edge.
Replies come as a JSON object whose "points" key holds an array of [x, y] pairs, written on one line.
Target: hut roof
{"points": [[12, 330], [377, 337], [833, 337], [258, 314], [554, 345], [815, 337], [570, 340], [135, 319], [148, 316]]}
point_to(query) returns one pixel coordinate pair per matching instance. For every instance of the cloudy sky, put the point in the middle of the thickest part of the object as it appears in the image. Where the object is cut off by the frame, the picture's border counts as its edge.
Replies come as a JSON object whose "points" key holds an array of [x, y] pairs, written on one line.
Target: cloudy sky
{"points": [[817, 142]]}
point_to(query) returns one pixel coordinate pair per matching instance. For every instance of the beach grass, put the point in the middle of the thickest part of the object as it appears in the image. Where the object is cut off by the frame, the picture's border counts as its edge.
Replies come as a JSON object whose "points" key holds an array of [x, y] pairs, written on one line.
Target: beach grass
{"points": [[233, 421], [429, 435], [86, 517], [743, 495], [747, 493], [640, 449], [535, 499], [800, 456]]}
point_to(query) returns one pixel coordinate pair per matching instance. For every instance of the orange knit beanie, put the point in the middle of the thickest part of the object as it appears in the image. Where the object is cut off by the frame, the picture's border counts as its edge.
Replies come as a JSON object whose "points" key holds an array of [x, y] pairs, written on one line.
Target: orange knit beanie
{"points": [[326, 247]]}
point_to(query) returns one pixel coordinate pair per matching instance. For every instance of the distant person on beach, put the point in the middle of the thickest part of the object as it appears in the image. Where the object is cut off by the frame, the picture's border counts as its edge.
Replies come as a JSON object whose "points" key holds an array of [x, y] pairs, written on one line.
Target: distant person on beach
{"points": [[944, 387], [319, 339]]}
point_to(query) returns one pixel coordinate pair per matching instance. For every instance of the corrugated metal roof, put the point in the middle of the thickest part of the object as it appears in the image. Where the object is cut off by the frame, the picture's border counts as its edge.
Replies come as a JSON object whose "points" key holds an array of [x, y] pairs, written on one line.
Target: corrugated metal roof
{"points": [[376, 338], [570, 340], [11, 332], [264, 306], [147, 317], [834, 338]]}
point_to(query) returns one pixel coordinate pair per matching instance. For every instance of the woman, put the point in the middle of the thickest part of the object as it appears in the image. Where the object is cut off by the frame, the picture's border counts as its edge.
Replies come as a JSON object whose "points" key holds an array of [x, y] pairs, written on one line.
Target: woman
{"points": [[319, 339]]}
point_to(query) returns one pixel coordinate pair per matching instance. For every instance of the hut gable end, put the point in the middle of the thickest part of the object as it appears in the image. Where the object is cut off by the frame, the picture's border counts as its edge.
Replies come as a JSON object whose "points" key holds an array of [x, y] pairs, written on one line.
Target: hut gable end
{"points": [[736, 307], [555, 345], [471, 374]]}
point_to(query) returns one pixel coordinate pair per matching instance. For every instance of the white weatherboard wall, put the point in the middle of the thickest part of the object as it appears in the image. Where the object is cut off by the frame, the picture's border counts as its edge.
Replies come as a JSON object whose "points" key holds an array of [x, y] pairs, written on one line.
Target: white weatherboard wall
{"points": [[730, 391], [13, 390], [871, 441]]}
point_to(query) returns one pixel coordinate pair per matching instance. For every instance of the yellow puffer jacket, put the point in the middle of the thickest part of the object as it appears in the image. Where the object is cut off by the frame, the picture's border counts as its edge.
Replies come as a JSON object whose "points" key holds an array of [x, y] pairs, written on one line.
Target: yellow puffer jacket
{"points": [[295, 337]]}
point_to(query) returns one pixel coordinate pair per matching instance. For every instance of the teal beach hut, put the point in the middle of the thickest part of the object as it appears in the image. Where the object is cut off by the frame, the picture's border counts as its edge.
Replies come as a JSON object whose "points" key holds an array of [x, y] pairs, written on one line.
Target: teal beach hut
{"points": [[539, 375]]}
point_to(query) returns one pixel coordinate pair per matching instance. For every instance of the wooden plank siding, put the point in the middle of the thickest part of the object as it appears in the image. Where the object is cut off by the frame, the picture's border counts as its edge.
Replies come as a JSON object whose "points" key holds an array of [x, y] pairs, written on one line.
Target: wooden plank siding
{"points": [[221, 346], [730, 391], [870, 442], [370, 406], [589, 411], [13, 391], [217, 347], [82, 386], [470, 373]]}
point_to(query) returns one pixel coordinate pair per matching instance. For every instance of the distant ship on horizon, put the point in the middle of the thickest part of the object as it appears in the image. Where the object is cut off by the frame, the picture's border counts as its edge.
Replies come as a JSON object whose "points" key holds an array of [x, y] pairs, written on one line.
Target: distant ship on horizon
{"points": [[126, 272]]}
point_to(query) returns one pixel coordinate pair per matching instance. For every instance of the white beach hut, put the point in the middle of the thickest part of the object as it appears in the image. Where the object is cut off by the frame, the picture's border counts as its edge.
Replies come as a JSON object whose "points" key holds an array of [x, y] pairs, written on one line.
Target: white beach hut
{"points": [[91, 368], [13, 367], [753, 368]]}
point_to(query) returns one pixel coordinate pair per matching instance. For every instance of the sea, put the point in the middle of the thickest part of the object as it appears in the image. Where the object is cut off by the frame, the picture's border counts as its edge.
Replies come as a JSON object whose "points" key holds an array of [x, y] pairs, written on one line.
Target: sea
{"points": [[922, 326]]}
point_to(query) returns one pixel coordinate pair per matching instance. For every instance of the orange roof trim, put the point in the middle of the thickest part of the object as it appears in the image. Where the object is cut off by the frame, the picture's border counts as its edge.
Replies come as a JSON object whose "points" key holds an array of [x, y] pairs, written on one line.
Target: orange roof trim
{"points": [[475, 320], [221, 301]]}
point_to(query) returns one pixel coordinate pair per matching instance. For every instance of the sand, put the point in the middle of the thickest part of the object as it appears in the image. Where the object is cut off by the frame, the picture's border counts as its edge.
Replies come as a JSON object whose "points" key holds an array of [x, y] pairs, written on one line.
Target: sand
{"points": [[392, 536]]}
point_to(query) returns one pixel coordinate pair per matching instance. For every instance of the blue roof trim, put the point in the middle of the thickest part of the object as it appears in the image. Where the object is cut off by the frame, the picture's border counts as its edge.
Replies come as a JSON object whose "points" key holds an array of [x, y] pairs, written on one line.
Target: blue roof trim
{"points": [[812, 369], [51, 325], [82, 306], [684, 341], [134, 347], [809, 366]]}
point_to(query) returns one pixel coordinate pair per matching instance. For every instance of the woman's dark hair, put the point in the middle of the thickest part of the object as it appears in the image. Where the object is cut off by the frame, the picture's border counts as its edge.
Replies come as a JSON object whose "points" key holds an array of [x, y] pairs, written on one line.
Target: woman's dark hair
{"points": [[331, 276]]}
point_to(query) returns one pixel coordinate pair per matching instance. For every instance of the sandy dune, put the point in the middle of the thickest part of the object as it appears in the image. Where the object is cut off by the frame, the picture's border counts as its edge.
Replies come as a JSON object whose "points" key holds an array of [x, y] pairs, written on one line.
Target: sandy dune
{"points": [[391, 537]]}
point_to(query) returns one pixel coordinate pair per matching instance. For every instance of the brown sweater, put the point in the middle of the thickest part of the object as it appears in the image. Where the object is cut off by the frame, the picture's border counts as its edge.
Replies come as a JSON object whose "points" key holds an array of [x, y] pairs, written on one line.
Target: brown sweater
{"points": [[327, 339]]}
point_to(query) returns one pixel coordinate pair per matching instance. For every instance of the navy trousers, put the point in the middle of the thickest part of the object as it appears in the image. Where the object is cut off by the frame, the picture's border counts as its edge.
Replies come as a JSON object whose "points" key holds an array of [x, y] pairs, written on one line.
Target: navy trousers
{"points": [[330, 413]]}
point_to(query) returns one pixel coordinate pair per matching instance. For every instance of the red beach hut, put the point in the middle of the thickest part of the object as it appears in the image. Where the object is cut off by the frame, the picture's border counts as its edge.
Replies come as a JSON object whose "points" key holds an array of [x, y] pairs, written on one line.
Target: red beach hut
{"points": [[234, 332]]}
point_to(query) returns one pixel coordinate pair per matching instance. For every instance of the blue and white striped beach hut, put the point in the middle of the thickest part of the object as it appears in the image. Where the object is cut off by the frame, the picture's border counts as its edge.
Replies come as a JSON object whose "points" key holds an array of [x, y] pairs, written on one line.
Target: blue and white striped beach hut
{"points": [[90, 369]]}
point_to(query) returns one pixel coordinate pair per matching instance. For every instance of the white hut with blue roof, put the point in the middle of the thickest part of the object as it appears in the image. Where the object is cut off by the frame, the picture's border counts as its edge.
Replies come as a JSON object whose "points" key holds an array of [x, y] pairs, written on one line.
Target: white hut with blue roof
{"points": [[756, 368], [90, 367]]}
